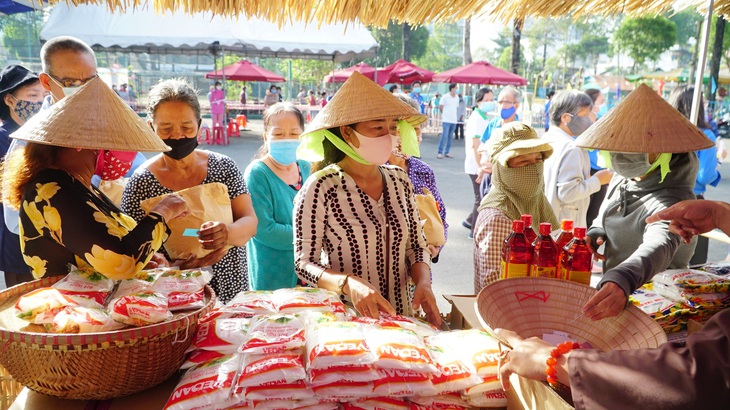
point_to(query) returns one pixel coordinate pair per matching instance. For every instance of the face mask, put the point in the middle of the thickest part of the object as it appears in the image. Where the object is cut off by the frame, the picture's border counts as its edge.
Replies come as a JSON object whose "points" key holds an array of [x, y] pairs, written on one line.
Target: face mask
{"points": [[69, 91], [417, 90], [218, 87], [181, 147], [274, 91], [630, 165], [284, 151], [111, 165], [376, 151], [578, 125], [26, 109], [487, 106], [507, 112]]}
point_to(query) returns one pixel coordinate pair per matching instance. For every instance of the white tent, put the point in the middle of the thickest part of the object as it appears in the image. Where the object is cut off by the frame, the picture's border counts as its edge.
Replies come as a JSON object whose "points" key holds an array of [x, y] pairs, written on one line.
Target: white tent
{"points": [[144, 31]]}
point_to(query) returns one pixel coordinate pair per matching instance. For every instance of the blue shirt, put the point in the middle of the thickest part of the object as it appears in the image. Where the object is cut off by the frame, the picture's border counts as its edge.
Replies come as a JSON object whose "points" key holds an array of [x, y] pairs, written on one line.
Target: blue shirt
{"points": [[707, 173], [495, 123], [421, 102]]}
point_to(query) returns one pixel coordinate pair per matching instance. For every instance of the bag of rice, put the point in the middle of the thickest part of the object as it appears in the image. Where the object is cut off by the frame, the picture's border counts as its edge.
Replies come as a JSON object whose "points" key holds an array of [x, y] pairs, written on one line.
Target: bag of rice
{"points": [[183, 288], [197, 357], [206, 386], [297, 390], [473, 347], [398, 348], [400, 382], [273, 334], [377, 403], [284, 367], [348, 373], [135, 303], [86, 283], [493, 398], [453, 374], [251, 303], [77, 319], [344, 390], [337, 344], [42, 305], [295, 300], [222, 335], [488, 383]]}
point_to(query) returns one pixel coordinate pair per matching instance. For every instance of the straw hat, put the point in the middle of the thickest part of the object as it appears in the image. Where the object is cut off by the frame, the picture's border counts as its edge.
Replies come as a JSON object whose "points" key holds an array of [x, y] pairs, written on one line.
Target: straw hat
{"points": [[644, 122], [514, 139], [535, 306], [360, 99], [94, 117]]}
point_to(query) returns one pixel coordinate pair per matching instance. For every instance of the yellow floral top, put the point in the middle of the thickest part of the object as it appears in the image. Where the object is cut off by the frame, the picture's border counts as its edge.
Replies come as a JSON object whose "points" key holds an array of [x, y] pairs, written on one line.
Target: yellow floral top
{"points": [[62, 222]]}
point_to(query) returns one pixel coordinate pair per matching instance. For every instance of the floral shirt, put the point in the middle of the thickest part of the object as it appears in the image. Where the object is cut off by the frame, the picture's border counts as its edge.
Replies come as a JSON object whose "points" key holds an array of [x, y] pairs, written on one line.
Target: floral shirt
{"points": [[63, 222]]}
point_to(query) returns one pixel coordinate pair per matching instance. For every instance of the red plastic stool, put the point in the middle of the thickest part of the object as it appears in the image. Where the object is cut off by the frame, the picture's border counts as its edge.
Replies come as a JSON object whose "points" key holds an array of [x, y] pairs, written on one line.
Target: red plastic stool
{"points": [[219, 135], [242, 121], [204, 135], [233, 129]]}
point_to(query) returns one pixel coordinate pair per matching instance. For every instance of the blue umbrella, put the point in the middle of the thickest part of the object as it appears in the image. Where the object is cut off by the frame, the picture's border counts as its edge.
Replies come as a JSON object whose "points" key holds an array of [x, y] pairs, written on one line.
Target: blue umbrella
{"points": [[19, 6]]}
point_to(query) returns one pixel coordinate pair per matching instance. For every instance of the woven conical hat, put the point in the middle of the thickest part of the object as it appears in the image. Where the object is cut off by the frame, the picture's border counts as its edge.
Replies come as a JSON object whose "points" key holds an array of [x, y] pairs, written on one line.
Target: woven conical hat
{"points": [[94, 117], [644, 122], [360, 99]]}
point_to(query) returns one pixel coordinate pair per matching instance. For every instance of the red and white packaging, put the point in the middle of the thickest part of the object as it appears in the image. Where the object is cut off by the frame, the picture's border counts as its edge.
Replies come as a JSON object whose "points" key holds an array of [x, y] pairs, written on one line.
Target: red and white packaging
{"points": [[472, 347], [273, 334], [206, 386], [312, 403], [399, 383], [349, 373], [86, 283], [78, 319], [493, 398], [344, 390], [337, 344], [41, 305], [284, 367], [183, 288], [297, 390], [377, 403], [488, 383], [295, 300], [453, 375], [398, 348], [223, 335], [199, 356], [450, 401], [251, 303], [139, 308], [419, 327]]}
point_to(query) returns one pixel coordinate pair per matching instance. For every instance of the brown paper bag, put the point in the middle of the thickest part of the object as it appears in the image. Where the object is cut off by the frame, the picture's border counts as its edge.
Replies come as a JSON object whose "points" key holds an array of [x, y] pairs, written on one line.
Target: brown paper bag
{"points": [[114, 189], [208, 202], [433, 226]]}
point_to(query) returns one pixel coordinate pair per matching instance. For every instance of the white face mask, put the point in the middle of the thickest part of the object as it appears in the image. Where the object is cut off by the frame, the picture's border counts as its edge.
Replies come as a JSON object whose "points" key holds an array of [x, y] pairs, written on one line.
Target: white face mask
{"points": [[69, 91], [374, 150], [218, 87]]}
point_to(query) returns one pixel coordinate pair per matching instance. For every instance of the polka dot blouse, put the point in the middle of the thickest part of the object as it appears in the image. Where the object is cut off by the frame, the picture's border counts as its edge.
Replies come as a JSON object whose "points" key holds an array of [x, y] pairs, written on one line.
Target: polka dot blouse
{"points": [[338, 226], [231, 272]]}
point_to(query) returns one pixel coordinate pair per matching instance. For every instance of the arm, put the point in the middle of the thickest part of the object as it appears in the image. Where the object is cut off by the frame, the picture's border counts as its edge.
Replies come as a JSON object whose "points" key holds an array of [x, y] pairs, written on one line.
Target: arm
{"points": [[269, 232], [707, 173], [690, 218], [489, 234]]}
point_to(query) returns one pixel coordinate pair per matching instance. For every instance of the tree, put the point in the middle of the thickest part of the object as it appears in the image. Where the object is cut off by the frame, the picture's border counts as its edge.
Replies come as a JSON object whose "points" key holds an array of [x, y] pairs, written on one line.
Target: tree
{"points": [[466, 47], [516, 48], [716, 54], [645, 38], [21, 35], [592, 47], [406, 42], [391, 43], [443, 51]]}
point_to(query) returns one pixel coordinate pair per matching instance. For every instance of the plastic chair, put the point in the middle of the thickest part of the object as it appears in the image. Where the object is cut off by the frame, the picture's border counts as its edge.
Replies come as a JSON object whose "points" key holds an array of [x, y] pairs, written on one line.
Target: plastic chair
{"points": [[242, 121], [219, 135], [233, 129], [204, 135]]}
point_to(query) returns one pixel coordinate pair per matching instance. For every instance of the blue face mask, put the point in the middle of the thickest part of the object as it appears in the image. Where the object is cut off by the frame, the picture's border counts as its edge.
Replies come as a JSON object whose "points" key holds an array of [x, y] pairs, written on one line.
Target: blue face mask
{"points": [[417, 90], [487, 106], [284, 151], [507, 112], [274, 91]]}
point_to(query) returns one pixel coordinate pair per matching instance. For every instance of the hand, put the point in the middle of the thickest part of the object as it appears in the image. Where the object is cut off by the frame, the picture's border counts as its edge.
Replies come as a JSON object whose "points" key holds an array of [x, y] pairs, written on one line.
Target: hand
{"points": [[194, 262], [213, 235], [690, 218], [479, 177], [607, 302], [527, 358], [172, 206], [158, 261], [434, 250], [366, 299], [594, 248], [604, 176], [423, 298]]}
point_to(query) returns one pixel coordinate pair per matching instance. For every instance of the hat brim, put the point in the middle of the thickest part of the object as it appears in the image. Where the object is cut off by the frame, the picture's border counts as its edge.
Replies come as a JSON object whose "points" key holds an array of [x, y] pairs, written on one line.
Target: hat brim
{"points": [[523, 147]]}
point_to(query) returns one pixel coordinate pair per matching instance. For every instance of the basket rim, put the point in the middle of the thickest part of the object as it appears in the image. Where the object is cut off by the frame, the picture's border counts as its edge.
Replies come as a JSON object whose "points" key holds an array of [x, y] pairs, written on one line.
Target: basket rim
{"points": [[88, 339]]}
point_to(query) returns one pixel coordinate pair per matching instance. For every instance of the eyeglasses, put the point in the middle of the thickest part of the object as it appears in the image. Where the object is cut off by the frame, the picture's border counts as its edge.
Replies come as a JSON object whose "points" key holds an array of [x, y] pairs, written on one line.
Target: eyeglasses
{"points": [[506, 102], [72, 83]]}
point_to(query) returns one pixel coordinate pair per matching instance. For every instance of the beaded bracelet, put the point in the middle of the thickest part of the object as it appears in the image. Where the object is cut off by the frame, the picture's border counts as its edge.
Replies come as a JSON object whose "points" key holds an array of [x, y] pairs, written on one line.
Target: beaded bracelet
{"points": [[552, 361]]}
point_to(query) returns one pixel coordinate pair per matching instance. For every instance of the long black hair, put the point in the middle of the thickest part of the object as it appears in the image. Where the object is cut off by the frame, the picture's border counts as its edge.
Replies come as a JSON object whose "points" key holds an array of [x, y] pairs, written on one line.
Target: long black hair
{"points": [[681, 99], [332, 154]]}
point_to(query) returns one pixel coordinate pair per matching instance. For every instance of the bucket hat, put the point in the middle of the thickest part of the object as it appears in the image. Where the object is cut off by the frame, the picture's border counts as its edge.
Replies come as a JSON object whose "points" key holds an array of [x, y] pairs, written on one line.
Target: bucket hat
{"points": [[514, 139], [644, 123], [94, 117], [12, 77], [358, 100]]}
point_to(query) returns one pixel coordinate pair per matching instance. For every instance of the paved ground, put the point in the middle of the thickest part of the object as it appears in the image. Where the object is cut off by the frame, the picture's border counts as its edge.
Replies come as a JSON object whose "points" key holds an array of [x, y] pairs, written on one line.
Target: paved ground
{"points": [[453, 274]]}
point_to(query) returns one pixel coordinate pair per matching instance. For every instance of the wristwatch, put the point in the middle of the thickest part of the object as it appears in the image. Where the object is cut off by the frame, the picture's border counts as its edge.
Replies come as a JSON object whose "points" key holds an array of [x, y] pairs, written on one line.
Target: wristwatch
{"points": [[341, 284]]}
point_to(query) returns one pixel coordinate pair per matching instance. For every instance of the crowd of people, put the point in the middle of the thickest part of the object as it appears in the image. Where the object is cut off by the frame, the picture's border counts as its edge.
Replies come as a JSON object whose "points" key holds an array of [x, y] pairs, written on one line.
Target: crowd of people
{"points": [[335, 203]]}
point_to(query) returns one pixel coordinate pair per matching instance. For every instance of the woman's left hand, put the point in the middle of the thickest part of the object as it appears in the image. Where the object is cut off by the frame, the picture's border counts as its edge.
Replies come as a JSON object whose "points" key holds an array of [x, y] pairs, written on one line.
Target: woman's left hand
{"points": [[213, 235], [423, 298], [527, 357], [158, 261]]}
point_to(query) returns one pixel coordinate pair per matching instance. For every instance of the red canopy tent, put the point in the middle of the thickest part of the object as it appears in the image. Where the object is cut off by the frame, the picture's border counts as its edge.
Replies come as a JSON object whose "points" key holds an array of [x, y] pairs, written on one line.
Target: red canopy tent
{"points": [[479, 72], [245, 71], [341, 76], [404, 72]]}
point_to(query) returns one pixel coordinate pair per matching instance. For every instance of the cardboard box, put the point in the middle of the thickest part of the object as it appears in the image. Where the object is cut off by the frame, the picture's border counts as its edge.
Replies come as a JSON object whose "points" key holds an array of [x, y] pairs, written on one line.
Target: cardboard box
{"points": [[525, 394]]}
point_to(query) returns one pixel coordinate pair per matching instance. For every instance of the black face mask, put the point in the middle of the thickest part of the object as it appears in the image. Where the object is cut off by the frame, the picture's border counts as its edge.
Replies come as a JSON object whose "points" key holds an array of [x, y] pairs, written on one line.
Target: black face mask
{"points": [[181, 148]]}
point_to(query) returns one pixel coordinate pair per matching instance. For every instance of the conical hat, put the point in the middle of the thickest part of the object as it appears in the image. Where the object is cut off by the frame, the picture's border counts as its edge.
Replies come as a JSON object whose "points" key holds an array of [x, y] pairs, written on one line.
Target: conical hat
{"points": [[358, 100], [94, 117], [644, 122]]}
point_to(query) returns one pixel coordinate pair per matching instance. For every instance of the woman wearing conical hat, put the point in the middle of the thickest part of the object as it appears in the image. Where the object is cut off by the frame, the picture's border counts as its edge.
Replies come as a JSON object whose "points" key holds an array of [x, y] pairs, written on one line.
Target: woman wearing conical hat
{"points": [[356, 225], [651, 147], [64, 219]]}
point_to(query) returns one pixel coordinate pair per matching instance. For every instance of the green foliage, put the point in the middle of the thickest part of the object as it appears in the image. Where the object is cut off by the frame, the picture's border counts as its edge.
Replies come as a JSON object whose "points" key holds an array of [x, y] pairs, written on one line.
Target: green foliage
{"points": [[725, 40], [21, 35], [591, 47], [645, 38], [443, 51], [686, 22], [391, 43]]}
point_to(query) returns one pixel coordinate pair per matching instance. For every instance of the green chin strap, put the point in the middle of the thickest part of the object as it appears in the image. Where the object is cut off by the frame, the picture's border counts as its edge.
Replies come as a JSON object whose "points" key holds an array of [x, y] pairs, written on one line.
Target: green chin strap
{"points": [[408, 139], [662, 162]]}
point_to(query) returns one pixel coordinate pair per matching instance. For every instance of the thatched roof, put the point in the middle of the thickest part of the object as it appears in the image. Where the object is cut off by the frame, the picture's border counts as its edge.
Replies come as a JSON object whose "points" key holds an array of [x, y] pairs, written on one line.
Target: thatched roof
{"points": [[379, 12]]}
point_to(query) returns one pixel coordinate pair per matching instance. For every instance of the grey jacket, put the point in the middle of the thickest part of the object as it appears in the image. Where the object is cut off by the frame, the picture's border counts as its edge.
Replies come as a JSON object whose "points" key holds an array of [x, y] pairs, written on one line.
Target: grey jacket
{"points": [[635, 251]]}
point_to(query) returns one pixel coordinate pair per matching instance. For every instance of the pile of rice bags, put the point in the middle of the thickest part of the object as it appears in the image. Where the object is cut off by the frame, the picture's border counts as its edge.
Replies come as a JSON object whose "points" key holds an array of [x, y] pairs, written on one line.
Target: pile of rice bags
{"points": [[300, 349], [85, 301], [705, 292]]}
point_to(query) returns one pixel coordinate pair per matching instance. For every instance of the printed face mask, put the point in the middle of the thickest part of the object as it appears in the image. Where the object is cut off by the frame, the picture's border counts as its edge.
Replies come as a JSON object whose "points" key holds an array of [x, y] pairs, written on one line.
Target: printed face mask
{"points": [[374, 150], [507, 112], [181, 147], [630, 165], [284, 151], [578, 124], [111, 165], [26, 109]]}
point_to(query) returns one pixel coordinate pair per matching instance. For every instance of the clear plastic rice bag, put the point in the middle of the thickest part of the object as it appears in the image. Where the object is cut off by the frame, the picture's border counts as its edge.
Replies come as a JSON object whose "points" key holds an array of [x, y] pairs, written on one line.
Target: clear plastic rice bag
{"points": [[273, 333], [184, 288], [222, 335], [337, 344], [86, 283], [78, 319]]}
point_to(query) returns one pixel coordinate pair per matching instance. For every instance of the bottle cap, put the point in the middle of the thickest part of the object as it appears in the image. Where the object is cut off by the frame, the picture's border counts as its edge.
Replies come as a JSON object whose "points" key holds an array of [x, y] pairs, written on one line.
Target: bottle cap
{"points": [[566, 224], [527, 219], [518, 226], [579, 232], [546, 228]]}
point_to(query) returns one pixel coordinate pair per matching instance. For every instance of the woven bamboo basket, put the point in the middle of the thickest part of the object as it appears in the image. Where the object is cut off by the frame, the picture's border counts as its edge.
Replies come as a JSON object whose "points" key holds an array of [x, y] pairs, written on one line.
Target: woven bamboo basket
{"points": [[95, 366]]}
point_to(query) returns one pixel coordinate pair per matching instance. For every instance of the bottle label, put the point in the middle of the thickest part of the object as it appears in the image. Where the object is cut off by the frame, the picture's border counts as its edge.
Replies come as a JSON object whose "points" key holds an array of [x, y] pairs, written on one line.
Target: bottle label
{"points": [[579, 276], [515, 270], [544, 271], [562, 272]]}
